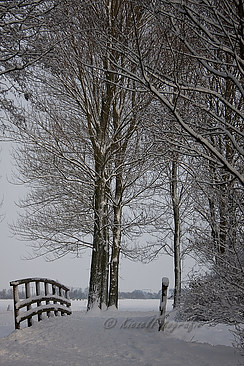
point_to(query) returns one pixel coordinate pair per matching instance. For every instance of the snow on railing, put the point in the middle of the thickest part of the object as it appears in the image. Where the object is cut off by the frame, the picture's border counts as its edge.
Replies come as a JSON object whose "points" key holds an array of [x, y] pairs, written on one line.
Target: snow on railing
{"points": [[163, 302], [47, 295]]}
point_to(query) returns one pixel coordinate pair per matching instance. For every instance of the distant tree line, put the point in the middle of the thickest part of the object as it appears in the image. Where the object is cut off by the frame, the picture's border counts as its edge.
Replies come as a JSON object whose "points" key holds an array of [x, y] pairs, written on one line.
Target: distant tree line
{"points": [[79, 293], [136, 294], [139, 294], [8, 294]]}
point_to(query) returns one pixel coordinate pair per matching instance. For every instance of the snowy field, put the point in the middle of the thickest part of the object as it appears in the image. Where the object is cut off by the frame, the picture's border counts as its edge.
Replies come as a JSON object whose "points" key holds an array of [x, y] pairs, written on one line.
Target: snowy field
{"points": [[126, 337]]}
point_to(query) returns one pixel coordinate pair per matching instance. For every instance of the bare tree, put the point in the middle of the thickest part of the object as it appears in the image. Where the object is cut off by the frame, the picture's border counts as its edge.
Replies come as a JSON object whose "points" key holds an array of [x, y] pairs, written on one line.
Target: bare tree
{"points": [[206, 98], [22, 22], [211, 45], [110, 60], [83, 129]]}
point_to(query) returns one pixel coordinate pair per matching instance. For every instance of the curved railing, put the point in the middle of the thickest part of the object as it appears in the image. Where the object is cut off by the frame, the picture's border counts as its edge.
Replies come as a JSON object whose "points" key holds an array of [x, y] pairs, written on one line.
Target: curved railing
{"points": [[46, 295]]}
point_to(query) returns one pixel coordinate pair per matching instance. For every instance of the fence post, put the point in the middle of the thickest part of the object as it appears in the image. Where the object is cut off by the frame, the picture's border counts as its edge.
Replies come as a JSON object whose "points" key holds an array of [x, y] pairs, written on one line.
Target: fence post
{"points": [[163, 302], [60, 293], [67, 296], [16, 310], [47, 301], [54, 291], [27, 296], [38, 293]]}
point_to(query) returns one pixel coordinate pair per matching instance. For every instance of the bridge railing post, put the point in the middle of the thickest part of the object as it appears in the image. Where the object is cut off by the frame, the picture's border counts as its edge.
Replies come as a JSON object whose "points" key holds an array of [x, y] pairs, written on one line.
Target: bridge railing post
{"points": [[16, 301], [46, 294], [27, 296], [38, 293]]}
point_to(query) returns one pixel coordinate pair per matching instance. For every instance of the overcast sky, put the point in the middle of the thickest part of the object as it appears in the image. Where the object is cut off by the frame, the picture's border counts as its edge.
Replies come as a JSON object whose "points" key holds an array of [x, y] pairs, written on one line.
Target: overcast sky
{"points": [[73, 272]]}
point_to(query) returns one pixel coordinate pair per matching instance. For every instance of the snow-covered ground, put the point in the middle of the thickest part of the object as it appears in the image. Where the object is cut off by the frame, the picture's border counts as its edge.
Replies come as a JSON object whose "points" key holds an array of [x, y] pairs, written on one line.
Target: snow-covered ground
{"points": [[126, 337]]}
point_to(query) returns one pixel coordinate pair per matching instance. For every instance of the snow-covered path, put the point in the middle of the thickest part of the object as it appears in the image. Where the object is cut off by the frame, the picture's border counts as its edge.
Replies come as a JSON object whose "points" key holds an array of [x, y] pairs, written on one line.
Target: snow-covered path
{"points": [[108, 338]]}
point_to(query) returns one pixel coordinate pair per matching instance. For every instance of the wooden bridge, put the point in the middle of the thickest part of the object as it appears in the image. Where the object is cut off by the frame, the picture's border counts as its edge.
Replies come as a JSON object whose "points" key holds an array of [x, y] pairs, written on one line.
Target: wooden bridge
{"points": [[46, 295]]}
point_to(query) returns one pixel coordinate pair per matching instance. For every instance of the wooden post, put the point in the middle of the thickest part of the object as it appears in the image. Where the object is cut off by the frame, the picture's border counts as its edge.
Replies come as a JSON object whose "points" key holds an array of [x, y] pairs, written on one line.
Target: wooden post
{"points": [[38, 293], [67, 296], [60, 293], [55, 302], [163, 302], [16, 310], [47, 301], [27, 296]]}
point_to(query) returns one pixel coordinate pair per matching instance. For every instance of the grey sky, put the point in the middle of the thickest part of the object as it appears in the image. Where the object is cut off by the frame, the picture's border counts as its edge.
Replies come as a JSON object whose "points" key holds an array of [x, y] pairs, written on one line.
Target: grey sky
{"points": [[70, 271]]}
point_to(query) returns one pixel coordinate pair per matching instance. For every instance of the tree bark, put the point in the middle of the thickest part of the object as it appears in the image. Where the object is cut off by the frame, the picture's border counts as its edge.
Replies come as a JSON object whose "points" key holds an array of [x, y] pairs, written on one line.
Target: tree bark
{"points": [[98, 287], [115, 256], [176, 211]]}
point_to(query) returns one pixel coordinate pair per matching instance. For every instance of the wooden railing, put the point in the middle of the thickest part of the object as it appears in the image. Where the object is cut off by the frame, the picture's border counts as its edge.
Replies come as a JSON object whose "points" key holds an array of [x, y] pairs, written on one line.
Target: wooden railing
{"points": [[46, 295]]}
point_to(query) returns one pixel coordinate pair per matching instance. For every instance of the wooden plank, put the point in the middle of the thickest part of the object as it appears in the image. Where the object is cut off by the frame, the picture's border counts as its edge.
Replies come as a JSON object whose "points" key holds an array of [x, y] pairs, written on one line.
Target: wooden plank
{"points": [[22, 303], [43, 309], [34, 279]]}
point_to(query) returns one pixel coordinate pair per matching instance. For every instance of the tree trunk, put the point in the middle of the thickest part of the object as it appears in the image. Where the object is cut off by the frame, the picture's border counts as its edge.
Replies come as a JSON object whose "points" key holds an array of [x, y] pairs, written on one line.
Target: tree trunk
{"points": [[114, 265], [98, 287], [117, 209], [177, 256]]}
